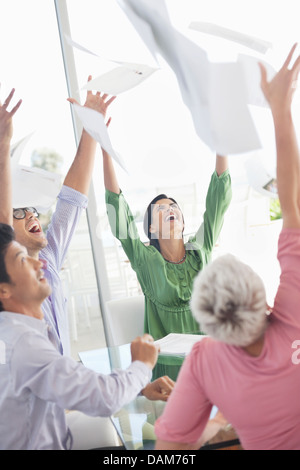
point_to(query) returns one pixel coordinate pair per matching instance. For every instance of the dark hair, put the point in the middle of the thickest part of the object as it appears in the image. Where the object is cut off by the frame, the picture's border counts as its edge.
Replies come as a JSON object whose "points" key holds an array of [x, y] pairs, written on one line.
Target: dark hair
{"points": [[7, 236], [148, 219]]}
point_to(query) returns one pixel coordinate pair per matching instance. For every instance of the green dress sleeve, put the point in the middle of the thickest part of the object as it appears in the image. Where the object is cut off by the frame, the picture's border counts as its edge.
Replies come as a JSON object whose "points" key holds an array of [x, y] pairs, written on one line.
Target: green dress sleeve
{"points": [[123, 227], [218, 198]]}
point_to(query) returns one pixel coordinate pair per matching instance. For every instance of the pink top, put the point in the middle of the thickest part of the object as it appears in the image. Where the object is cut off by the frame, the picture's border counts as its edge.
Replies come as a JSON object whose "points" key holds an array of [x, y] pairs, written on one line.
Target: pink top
{"points": [[259, 396]]}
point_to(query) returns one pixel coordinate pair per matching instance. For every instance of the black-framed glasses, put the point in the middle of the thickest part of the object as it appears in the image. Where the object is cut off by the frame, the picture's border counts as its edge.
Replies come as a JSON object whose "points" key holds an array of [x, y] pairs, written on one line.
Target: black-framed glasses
{"points": [[20, 213]]}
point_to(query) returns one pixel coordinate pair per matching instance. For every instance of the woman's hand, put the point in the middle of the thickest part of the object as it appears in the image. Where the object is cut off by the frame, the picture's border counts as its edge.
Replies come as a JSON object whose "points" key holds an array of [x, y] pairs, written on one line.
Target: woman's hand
{"points": [[279, 91], [159, 389]]}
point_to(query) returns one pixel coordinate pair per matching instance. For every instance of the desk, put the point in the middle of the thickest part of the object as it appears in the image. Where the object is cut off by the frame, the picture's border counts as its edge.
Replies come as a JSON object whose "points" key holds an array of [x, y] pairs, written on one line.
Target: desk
{"points": [[135, 421]]}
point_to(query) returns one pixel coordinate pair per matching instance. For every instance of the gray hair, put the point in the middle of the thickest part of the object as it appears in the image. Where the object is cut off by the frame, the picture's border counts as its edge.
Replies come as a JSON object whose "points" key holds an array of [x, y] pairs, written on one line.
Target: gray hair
{"points": [[229, 302]]}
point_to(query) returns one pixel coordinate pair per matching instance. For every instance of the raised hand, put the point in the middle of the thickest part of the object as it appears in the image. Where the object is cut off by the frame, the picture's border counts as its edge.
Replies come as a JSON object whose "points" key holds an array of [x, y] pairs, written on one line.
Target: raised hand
{"points": [[96, 101], [6, 125], [279, 91]]}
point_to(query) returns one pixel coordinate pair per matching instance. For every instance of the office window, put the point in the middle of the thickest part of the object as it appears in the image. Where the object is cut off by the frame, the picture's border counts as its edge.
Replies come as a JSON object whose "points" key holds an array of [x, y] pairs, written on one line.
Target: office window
{"points": [[154, 133], [151, 128], [32, 63]]}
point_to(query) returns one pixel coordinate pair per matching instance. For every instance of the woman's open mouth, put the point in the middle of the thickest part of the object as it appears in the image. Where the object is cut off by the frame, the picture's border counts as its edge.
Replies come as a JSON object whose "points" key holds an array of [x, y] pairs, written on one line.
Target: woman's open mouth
{"points": [[170, 217]]}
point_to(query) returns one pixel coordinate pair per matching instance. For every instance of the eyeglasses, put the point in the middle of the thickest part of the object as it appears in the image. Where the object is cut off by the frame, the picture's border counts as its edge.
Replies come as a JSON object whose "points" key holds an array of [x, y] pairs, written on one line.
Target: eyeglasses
{"points": [[21, 212]]}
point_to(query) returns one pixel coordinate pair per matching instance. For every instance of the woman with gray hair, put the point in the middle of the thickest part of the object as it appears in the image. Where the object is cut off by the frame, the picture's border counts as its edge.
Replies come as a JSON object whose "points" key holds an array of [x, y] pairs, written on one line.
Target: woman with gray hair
{"points": [[245, 367], [229, 302]]}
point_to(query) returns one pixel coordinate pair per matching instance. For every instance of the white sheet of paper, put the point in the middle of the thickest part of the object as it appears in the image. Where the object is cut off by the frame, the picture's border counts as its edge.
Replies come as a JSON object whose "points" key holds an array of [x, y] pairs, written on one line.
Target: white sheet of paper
{"points": [[93, 122], [257, 44], [79, 46], [120, 79], [34, 187], [143, 29], [232, 125], [178, 344], [88, 51], [252, 77], [17, 148], [260, 179], [215, 94]]}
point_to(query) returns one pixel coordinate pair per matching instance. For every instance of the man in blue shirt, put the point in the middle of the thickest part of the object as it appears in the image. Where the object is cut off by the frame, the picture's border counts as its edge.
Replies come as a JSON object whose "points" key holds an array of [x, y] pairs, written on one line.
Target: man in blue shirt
{"points": [[52, 249], [37, 382]]}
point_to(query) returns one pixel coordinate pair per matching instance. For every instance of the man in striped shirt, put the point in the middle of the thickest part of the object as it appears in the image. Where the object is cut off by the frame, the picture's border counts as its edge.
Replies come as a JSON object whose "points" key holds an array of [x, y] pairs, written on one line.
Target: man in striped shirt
{"points": [[52, 247]]}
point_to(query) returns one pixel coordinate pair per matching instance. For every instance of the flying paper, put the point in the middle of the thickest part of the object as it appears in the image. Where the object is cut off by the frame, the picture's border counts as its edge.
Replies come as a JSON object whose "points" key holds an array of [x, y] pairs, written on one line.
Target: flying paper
{"points": [[258, 45], [141, 27], [34, 187], [17, 148], [252, 77], [120, 79], [216, 94], [93, 122], [263, 181], [79, 46]]}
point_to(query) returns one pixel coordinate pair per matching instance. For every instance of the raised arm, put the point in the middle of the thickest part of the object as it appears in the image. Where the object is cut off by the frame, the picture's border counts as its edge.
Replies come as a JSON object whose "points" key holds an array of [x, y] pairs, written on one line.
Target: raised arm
{"points": [[279, 93], [6, 132], [110, 177], [221, 164], [80, 173]]}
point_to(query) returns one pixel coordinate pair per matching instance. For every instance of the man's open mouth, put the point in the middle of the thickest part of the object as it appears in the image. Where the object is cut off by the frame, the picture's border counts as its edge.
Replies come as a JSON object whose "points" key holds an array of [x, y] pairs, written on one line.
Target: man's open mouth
{"points": [[34, 228]]}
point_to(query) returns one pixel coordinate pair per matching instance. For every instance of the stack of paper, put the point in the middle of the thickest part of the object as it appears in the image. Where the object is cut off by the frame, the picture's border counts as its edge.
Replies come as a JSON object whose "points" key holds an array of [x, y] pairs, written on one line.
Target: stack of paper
{"points": [[178, 344]]}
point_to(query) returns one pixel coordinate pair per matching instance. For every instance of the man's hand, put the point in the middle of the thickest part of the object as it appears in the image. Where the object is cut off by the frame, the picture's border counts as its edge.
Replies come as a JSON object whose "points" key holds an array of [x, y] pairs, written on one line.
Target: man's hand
{"points": [[80, 173], [6, 125], [143, 349], [160, 389], [97, 102], [6, 132]]}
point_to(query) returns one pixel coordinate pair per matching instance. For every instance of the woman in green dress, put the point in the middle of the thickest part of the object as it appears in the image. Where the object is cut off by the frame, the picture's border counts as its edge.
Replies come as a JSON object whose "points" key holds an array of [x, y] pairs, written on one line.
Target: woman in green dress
{"points": [[167, 267]]}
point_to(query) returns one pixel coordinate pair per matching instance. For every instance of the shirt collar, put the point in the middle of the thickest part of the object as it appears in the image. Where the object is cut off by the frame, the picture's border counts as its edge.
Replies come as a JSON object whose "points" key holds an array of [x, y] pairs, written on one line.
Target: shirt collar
{"points": [[45, 263], [32, 322]]}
